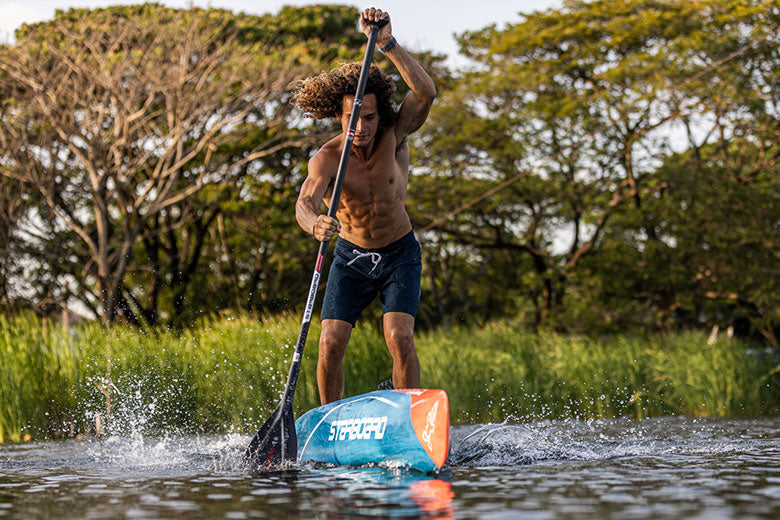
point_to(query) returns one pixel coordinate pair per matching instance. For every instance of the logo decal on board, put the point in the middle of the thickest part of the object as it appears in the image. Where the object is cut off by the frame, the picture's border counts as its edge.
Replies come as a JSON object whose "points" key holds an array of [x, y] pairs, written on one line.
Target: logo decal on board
{"points": [[358, 429], [430, 425]]}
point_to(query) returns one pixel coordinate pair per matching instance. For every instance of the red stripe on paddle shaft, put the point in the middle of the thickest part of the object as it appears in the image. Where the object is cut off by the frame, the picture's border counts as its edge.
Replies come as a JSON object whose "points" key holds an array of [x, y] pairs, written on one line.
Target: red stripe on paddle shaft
{"points": [[270, 456], [320, 260]]}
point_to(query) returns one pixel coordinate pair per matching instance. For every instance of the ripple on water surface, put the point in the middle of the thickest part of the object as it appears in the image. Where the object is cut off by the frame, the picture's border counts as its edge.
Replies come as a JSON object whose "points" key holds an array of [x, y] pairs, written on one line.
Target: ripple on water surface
{"points": [[654, 468]]}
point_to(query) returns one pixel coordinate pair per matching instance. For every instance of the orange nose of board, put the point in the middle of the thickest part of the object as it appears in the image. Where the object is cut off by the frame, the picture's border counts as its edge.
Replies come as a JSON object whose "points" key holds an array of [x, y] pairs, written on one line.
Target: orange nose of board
{"points": [[431, 422]]}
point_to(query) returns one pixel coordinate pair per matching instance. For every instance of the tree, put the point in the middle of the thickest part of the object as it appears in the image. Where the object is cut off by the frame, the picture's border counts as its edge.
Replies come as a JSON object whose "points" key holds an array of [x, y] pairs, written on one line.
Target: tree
{"points": [[569, 115], [120, 118], [243, 248]]}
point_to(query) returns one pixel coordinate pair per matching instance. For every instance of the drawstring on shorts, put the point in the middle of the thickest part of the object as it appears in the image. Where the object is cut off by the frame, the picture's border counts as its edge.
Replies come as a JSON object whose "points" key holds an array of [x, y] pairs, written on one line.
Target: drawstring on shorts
{"points": [[375, 258]]}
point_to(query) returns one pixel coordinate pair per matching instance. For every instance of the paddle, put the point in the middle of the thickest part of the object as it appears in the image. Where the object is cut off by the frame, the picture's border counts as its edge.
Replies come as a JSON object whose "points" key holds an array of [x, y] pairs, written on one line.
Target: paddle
{"points": [[275, 442]]}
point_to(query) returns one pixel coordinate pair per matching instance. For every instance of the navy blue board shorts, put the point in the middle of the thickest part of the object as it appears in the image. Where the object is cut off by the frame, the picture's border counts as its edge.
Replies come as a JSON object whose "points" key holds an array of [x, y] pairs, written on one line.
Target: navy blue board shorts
{"points": [[357, 274]]}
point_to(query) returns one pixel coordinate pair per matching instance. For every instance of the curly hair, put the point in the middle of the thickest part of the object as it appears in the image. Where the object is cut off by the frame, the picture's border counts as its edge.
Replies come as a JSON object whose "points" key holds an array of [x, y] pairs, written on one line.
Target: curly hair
{"points": [[321, 96]]}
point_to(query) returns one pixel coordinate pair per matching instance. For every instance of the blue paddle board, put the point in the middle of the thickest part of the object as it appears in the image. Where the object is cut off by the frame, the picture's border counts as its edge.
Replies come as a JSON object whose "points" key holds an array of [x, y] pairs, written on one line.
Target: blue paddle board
{"points": [[408, 428]]}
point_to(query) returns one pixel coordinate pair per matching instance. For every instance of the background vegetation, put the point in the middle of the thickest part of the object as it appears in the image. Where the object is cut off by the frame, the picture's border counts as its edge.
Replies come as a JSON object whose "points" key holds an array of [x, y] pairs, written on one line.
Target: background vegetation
{"points": [[603, 167], [600, 185], [227, 376]]}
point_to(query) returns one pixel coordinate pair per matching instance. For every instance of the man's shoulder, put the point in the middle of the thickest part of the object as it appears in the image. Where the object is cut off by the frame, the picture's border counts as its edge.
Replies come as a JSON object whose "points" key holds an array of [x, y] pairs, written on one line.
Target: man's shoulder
{"points": [[394, 142], [326, 155], [332, 146]]}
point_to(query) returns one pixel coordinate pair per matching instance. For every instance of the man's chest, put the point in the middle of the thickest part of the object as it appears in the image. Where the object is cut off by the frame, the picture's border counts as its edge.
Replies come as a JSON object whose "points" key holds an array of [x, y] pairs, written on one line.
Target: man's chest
{"points": [[366, 183]]}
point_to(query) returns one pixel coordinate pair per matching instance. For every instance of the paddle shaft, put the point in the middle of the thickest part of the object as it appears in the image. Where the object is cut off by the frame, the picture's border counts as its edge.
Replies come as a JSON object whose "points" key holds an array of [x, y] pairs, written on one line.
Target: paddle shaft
{"points": [[292, 378]]}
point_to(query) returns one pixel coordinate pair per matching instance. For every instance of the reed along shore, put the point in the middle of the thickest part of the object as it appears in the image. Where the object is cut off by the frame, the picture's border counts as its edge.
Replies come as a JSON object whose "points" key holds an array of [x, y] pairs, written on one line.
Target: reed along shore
{"points": [[227, 375]]}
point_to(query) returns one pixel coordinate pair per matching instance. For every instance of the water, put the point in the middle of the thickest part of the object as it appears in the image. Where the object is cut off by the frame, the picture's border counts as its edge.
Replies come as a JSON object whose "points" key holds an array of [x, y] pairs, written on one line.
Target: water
{"points": [[655, 468]]}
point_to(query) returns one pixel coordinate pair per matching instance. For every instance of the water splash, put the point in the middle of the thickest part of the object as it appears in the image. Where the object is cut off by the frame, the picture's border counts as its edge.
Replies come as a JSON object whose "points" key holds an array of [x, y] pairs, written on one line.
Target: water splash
{"points": [[507, 444]]}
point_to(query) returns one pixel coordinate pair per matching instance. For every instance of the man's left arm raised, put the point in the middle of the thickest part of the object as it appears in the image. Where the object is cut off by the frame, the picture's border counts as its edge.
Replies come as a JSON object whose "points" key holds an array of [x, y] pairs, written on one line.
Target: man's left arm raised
{"points": [[415, 107]]}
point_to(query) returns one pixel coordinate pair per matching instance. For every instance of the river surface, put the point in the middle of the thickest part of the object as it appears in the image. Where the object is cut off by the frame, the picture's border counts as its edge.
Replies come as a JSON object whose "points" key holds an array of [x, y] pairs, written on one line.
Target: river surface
{"points": [[667, 467]]}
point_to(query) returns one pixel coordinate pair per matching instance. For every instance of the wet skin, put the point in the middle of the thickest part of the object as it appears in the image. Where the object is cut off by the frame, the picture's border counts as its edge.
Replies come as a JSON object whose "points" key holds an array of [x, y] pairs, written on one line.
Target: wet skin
{"points": [[371, 209]]}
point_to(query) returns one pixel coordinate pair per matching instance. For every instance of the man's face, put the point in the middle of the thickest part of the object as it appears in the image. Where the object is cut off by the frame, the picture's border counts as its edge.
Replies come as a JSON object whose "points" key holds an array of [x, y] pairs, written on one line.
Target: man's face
{"points": [[368, 122]]}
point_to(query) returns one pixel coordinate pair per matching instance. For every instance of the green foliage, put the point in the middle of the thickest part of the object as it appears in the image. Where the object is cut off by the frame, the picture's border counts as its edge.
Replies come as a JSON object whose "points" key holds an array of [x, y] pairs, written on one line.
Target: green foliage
{"points": [[706, 245], [39, 377], [552, 376], [227, 375], [190, 124], [634, 142], [227, 237], [573, 116]]}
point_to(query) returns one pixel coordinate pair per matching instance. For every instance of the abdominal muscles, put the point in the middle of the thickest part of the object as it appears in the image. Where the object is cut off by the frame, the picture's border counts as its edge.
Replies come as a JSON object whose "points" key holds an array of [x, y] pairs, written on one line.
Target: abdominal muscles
{"points": [[374, 220]]}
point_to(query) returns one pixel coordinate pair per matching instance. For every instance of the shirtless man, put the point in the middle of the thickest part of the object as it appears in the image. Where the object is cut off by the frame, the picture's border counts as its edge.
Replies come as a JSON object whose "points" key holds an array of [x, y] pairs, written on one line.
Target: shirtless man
{"points": [[376, 251]]}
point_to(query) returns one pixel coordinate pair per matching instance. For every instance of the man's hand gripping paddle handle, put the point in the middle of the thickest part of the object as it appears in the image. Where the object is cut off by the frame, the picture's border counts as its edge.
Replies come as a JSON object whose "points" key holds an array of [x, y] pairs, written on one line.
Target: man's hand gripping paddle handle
{"points": [[275, 443]]}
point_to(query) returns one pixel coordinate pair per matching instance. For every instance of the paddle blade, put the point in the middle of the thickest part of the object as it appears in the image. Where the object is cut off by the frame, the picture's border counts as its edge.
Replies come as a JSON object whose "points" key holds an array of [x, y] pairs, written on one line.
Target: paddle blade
{"points": [[275, 443]]}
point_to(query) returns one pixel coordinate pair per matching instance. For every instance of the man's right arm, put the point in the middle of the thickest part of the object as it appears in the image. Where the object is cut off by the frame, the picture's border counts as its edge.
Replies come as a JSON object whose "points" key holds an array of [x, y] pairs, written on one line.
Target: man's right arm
{"points": [[312, 192]]}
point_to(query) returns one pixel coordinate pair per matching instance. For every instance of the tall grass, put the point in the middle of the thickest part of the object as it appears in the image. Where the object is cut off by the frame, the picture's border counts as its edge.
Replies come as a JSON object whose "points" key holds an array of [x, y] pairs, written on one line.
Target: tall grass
{"points": [[500, 372], [227, 375]]}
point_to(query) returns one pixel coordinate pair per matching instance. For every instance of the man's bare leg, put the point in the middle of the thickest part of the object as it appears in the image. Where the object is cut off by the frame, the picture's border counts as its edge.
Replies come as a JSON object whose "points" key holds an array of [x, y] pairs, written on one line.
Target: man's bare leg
{"points": [[399, 334], [330, 373]]}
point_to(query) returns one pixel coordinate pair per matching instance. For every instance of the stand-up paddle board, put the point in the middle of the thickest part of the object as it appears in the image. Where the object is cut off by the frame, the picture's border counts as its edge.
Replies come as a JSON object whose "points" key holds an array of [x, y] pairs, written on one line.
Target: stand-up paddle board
{"points": [[406, 427]]}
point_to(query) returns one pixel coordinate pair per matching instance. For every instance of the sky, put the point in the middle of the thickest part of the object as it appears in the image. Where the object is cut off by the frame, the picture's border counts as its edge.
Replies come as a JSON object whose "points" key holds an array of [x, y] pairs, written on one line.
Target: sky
{"points": [[417, 24]]}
